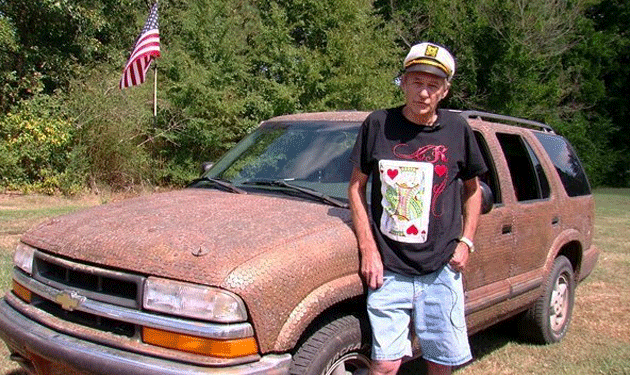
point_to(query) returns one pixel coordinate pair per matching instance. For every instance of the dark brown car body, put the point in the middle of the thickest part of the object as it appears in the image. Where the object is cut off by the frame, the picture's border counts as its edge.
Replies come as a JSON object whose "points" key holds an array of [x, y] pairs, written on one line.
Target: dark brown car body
{"points": [[293, 262]]}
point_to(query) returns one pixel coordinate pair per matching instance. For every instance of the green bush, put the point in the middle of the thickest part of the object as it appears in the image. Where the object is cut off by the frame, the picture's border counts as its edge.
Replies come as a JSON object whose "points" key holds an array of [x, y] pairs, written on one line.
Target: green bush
{"points": [[113, 130], [35, 148], [93, 135]]}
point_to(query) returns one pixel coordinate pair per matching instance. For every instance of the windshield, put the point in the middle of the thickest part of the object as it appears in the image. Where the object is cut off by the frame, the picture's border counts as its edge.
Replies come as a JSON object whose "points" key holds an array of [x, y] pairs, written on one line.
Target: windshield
{"points": [[311, 155]]}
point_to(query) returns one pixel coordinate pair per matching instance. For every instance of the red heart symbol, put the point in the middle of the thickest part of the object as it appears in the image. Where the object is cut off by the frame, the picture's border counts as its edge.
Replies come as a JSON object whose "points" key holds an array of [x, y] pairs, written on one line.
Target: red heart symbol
{"points": [[440, 170], [412, 230], [392, 173]]}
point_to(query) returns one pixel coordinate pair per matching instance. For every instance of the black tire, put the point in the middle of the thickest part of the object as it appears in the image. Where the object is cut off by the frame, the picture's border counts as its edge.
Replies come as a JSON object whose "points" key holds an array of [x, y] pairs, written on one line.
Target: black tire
{"points": [[548, 320], [336, 347]]}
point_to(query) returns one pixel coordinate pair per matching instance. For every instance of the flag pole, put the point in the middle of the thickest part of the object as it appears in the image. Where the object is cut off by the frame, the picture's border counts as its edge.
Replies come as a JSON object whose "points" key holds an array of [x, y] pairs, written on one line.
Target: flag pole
{"points": [[154, 90], [154, 86]]}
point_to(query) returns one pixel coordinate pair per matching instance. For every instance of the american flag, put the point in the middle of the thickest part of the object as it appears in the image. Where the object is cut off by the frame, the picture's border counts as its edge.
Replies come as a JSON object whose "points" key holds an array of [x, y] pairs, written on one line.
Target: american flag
{"points": [[147, 46]]}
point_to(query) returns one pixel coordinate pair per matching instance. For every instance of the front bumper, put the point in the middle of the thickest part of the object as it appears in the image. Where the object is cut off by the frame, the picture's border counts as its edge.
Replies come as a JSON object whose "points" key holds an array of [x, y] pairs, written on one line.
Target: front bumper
{"points": [[35, 345]]}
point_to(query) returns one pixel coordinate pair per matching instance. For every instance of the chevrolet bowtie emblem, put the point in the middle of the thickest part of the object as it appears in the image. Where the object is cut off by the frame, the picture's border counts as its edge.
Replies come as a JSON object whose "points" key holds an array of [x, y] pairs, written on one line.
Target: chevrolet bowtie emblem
{"points": [[69, 300]]}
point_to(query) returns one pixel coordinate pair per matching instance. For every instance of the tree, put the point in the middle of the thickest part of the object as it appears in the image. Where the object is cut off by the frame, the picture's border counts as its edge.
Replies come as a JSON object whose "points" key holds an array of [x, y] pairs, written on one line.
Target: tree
{"points": [[42, 43], [608, 54], [535, 59], [230, 64]]}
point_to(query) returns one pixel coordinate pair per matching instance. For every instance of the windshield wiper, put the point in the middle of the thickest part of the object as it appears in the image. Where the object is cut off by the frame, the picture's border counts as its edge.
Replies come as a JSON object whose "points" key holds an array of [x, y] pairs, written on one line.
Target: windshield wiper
{"points": [[222, 183], [310, 192]]}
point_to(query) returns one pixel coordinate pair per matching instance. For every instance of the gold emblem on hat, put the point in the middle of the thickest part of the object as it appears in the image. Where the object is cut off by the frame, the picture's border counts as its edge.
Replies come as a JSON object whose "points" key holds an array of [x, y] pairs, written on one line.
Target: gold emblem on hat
{"points": [[431, 51]]}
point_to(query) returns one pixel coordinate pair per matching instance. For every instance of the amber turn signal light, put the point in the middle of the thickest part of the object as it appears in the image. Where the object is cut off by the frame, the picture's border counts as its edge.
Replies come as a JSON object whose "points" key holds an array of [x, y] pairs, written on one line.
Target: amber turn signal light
{"points": [[20, 291], [200, 345]]}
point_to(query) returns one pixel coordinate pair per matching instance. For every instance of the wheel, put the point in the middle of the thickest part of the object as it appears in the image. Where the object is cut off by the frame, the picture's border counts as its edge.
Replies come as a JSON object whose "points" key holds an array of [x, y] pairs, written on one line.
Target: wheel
{"points": [[548, 320], [336, 347]]}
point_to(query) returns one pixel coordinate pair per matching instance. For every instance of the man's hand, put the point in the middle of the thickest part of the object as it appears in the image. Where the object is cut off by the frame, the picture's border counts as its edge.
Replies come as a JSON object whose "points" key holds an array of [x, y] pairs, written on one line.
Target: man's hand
{"points": [[372, 266], [460, 258]]}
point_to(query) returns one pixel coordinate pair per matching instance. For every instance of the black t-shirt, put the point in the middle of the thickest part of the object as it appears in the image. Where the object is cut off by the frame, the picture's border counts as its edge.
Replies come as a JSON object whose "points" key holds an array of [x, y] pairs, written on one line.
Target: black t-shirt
{"points": [[416, 193]]}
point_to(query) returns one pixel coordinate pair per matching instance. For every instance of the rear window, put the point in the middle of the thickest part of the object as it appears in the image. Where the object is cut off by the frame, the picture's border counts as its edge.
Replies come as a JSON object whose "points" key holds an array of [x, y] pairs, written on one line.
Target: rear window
{"points": [[567, 164]]}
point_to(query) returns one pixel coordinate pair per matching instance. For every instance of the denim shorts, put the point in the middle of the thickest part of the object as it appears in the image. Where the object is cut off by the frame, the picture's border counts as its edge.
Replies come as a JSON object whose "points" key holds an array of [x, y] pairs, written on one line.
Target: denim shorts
{"points": [[435, 304]]}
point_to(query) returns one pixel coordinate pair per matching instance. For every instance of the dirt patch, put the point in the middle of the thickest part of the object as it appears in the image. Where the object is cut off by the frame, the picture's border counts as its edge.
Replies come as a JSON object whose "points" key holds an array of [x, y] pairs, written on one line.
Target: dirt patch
{"points": [[18, 201], [8, 243], [20, 212]]}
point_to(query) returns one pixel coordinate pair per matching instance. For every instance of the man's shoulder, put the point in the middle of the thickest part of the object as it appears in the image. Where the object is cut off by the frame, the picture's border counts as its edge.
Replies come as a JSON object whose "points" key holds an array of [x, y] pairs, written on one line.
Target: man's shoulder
{"points": [[451, 116], [453, 121], [381, 115]]}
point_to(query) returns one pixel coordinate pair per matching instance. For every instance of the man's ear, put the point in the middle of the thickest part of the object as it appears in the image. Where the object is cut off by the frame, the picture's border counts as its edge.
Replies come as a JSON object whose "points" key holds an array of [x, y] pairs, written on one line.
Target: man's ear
{"points": [[403, 80], [447, 87]]}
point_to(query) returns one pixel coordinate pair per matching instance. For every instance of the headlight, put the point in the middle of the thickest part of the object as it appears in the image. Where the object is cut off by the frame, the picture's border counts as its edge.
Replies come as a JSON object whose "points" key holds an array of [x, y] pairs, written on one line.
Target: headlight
{"points": [[23, 257], [193, 301]]}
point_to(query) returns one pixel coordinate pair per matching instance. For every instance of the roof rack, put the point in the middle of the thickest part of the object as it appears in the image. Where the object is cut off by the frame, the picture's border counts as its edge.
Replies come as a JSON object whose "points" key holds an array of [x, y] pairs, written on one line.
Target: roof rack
{"points": [[514, 120]]}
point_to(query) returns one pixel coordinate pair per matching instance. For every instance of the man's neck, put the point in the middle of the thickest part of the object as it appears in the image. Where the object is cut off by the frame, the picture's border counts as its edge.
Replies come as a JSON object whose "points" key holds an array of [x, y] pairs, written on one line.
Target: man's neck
{"points": [[424, 120]]}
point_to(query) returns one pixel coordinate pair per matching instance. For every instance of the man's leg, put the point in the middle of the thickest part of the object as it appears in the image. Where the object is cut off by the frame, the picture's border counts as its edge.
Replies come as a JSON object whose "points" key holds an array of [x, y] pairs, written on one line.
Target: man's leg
{"points": [[389, 310], [385, 367], [440, 322]]}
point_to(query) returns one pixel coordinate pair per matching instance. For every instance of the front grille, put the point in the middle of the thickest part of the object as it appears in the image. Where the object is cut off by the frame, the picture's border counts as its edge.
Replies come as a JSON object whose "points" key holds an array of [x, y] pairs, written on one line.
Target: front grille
{"points": [[95, 283], [99, 284], [87, 320]]}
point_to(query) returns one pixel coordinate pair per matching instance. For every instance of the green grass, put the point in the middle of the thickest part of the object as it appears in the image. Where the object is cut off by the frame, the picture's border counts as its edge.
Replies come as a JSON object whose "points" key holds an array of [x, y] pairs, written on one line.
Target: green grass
{"points": [[6, 262], [598, 340], [7, 367], [17, 222]]}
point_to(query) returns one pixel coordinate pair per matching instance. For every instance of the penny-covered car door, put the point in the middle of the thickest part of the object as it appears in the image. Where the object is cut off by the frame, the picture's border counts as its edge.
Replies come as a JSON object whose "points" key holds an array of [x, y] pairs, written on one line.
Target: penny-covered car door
{"points": [[537, 219], [486, 276]]}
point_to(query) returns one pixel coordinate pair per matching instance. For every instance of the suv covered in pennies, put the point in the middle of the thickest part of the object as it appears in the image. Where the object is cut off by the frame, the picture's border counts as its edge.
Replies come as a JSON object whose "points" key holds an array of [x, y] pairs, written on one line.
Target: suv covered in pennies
{"points": [[254, 268]]}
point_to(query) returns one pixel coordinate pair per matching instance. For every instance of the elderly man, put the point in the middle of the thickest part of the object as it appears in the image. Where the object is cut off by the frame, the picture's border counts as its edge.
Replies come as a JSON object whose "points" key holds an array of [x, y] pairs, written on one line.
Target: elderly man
{"points": [[415, 243]]}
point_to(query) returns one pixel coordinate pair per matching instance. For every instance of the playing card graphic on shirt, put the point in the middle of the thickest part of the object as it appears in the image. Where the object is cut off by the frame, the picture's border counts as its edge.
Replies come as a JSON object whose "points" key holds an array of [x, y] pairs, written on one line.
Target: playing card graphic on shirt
{"points": [[406, 190]]}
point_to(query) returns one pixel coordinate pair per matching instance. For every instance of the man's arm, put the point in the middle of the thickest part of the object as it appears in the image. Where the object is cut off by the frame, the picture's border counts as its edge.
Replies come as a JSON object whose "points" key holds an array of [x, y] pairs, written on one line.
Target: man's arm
{"points": [[472, 211], [371, 263]]}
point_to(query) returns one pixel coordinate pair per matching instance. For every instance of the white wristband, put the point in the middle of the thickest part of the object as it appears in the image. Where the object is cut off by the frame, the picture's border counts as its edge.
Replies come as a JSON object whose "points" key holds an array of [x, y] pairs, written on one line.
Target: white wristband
{"points": [[469, 243]]}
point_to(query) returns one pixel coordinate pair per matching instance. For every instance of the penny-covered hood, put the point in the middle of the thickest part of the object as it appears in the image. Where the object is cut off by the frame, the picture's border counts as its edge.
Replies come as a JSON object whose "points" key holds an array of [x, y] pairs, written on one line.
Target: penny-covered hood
{"points": [[196, 235]]}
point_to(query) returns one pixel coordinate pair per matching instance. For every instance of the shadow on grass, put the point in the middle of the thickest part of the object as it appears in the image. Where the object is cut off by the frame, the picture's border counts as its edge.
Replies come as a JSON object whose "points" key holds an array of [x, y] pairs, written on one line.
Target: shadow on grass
{"points": [[494, 338], [481, 344]]}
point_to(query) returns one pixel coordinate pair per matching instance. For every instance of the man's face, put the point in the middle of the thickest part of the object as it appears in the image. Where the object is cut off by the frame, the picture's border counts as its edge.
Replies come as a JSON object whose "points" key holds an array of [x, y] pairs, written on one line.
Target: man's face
{"points": [[423, 92]]}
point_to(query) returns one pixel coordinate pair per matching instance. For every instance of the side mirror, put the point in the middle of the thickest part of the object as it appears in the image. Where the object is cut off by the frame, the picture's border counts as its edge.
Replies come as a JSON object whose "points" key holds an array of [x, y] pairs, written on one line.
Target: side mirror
{"points": [[205, 166], [487, 198]]}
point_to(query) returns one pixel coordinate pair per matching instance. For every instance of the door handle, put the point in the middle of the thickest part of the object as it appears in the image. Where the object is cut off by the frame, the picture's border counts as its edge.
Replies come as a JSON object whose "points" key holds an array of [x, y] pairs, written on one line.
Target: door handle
{"points": [[506, 229]]}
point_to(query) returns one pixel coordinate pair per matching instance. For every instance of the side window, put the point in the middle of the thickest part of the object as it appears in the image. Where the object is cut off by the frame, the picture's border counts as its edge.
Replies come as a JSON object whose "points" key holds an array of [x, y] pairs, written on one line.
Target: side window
{"points": [[540, 173], [567, 164], [490, 177], [528, 177]]}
